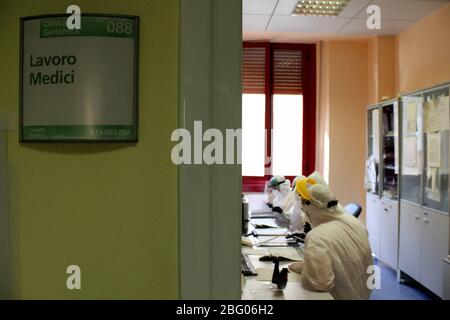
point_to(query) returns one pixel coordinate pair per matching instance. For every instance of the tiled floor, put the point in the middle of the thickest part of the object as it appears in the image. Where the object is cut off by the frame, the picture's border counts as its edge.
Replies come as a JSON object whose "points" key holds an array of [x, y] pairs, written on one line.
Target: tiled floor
{"points": [[393, 290]]}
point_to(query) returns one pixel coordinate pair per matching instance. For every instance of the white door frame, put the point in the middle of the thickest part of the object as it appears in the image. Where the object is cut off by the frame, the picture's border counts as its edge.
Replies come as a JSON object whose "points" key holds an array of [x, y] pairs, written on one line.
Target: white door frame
{"points": [[210, 196]]}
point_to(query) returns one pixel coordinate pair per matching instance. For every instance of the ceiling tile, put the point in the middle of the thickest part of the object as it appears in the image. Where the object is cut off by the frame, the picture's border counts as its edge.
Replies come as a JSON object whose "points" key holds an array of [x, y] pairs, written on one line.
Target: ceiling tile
{"points": [[255, 22], [353, 8], [405, 9], [258, 6], [285, 7], [388, 27], [306, 24]]}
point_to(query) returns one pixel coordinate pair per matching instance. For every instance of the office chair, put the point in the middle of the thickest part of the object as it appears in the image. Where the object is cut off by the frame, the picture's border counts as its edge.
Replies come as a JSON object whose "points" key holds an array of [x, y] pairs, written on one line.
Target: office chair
{"points": [[353, 209]]}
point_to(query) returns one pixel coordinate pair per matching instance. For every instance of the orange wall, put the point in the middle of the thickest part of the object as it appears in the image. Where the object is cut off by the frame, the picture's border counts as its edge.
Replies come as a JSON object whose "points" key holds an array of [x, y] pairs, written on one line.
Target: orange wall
{"points": [[323, 110], [386, 67], [356, 74], [381, 66], [423, 53], [344, 95], [372, 71]]}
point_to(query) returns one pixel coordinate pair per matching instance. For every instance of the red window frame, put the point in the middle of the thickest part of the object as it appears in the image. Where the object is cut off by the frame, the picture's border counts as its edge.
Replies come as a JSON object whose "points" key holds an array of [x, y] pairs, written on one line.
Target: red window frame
{"points": [[256, 184]]}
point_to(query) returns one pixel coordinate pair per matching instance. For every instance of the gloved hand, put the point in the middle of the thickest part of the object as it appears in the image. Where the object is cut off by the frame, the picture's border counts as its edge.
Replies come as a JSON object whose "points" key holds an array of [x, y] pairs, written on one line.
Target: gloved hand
{"points": [[296, 266], [277, 209]]}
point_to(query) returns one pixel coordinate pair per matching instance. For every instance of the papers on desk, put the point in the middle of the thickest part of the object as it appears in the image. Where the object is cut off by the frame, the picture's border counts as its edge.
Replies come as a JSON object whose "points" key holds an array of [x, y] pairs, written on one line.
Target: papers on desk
{"points": [[265, 274], [287, 253], [263, 213], [249, 241], [265, 225], [271, 232], [256, 252]]}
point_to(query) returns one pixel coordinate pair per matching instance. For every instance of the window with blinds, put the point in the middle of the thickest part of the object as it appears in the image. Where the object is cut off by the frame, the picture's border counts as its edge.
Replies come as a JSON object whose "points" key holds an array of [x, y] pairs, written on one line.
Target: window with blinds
{"points": [[278, 111], [254, 70], [287, 71]]}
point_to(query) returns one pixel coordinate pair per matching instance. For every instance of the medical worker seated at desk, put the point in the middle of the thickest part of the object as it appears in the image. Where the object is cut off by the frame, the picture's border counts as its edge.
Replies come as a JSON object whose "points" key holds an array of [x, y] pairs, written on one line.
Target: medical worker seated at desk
{"points": [[337, 251]]}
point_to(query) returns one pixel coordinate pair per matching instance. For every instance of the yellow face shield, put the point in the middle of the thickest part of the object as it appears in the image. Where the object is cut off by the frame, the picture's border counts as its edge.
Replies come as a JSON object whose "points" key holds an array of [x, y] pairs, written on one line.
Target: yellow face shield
{"points": [[302, 187]]}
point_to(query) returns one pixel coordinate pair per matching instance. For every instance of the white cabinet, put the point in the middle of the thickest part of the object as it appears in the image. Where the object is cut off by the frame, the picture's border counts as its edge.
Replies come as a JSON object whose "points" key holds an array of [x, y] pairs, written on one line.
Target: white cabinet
{"points": [[424, 191], [446, 264], [424, 238], [389, 233], [382, 223], [434, 247], [373, 222], [410, 227], [382, 213]]}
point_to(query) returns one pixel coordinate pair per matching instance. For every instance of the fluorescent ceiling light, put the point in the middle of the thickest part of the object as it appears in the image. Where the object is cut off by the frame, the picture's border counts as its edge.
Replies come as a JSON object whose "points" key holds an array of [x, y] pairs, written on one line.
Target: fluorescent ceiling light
{"points": [[328, 8]]}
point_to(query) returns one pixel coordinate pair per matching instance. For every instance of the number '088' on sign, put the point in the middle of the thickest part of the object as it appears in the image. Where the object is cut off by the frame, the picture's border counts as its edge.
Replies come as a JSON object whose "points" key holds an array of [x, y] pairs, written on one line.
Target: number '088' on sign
{"points": [[119, 27]]}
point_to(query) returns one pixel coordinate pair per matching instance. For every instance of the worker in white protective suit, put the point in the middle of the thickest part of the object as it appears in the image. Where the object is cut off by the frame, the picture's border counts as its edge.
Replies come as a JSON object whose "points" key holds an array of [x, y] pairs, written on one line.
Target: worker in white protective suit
{"points": [[292, 211], [337, 252], [278, 188]]}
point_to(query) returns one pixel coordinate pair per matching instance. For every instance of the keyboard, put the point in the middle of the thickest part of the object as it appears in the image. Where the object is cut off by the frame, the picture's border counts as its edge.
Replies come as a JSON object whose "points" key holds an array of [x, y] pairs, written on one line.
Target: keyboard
{"points": [[247, 268]]}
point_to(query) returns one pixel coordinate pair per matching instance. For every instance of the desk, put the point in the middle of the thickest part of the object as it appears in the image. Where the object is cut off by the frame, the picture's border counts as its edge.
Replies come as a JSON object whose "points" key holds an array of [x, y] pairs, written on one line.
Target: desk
{"points": [[263, 290]]}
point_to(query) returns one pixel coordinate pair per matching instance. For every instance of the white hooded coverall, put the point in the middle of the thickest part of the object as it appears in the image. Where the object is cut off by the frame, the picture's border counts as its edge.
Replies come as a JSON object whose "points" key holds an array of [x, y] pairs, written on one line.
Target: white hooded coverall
{"points": [[337, 252]]}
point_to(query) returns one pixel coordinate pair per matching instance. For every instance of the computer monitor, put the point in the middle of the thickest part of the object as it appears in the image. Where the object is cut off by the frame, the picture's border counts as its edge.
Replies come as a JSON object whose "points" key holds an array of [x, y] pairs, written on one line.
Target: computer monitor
{"points": [[245, 215]]}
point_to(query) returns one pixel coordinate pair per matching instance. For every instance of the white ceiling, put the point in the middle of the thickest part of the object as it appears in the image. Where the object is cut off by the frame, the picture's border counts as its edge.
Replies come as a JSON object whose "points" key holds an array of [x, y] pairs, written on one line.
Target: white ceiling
{"points": [[274, 17]]}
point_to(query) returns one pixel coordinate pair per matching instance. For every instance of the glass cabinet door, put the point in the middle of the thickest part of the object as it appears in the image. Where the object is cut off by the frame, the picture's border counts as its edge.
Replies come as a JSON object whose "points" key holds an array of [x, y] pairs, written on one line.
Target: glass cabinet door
{"points": [[436, 149], [389, 150], [373, 149], [411, 149], [373, 135]]}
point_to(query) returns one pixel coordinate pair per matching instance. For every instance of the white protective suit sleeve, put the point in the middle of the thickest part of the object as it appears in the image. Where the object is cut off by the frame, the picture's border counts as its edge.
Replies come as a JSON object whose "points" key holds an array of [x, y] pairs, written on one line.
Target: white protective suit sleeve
{"points": [[317, 273], [288, 203], [297, 220]]}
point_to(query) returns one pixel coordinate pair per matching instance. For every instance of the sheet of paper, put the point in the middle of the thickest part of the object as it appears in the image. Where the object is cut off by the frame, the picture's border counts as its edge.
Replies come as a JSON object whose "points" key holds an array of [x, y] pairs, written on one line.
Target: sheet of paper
{"points": [[256, 252], [431, 117], [376, 133], [436, 189], [434, 149], [411, 116], [249, 241], [396, 131], [443, 106], [411, 164], [433, 184], [265, 274]]}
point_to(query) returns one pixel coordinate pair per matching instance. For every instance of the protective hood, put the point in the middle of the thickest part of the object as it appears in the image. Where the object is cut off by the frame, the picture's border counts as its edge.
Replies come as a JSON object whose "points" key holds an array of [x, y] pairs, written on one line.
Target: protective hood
{"points": [[318, 202]]}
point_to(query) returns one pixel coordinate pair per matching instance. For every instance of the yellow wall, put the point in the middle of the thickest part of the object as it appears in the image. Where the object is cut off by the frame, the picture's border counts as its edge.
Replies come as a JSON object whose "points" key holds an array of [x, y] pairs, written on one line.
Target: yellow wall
{"points": [[109, 208], [344, 81], [423, 53]]}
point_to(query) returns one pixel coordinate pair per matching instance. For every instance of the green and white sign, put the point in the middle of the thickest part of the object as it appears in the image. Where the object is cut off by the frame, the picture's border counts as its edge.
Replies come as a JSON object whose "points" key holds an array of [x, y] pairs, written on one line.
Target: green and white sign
{"points": [[79, 85]]}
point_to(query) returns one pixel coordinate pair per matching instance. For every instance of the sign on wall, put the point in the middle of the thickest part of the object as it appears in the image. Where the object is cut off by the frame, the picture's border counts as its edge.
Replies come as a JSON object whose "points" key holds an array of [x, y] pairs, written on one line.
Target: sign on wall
{"points": [[79, 85]]}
